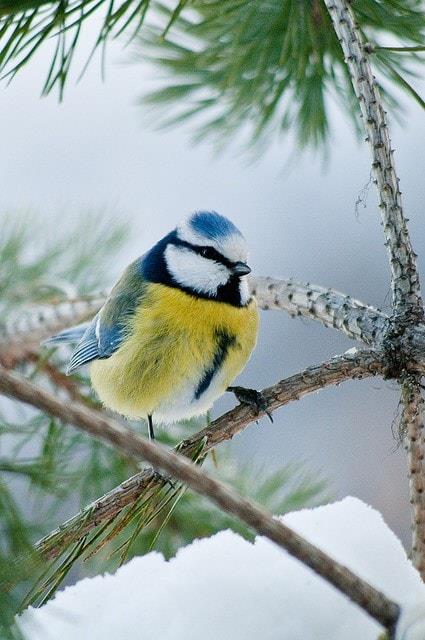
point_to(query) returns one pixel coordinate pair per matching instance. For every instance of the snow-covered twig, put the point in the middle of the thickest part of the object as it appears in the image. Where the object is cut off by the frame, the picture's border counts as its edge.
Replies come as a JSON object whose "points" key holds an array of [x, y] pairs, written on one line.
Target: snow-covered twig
{"points": [[404, 276], [334, 371], [385, 611]]}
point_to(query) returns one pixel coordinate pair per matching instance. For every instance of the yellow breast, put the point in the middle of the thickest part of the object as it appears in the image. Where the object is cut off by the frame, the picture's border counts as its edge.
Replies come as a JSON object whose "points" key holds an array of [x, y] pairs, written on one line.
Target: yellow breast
{"points": [[172, 341]]}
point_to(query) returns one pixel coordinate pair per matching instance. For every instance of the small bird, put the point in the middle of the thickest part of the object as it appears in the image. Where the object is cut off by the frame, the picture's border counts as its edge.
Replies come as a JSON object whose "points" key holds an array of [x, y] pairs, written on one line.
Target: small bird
{"points": [[176, 329]]}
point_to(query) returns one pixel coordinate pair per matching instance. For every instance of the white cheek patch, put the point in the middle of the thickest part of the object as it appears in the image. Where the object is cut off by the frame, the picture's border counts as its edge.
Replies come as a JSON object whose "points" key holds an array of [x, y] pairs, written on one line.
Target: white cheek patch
{"points": [[191, 270], [244, 290]]}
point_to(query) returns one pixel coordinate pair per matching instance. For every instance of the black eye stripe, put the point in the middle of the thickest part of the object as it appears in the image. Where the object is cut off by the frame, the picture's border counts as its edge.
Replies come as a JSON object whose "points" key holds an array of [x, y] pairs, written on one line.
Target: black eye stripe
{"points": [[207, 252], [212, 254]]}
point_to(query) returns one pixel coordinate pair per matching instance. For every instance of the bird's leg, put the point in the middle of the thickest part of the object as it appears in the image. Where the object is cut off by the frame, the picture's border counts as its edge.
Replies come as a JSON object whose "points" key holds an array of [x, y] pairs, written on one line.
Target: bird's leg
{"points": [[150, 428], [253, 398], [158, 475]]}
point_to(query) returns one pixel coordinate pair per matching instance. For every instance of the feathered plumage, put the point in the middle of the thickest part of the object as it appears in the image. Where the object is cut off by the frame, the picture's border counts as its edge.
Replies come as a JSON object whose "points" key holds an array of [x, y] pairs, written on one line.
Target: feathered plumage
{"points": [[177, 327]]}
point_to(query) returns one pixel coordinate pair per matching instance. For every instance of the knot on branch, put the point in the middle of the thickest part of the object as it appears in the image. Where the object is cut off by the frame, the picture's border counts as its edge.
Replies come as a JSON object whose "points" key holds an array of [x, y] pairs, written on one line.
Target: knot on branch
{"points": [[398, 344], [396, 355], [395, 359]]}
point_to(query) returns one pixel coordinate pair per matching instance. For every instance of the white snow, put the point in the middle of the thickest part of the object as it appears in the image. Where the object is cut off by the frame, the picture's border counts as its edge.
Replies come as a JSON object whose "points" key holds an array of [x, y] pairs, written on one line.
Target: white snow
{"points": [[411, 625], [351, 352], [224, 588]]}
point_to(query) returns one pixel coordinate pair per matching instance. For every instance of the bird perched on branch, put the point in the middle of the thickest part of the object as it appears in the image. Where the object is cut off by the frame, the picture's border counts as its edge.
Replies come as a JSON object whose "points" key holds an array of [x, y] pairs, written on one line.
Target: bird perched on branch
{"points": [[177, 328]]}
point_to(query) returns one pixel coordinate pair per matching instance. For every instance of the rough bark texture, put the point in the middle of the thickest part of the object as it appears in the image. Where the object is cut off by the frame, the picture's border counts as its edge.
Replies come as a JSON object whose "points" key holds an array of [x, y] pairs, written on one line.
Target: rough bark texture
{"points": [[404, 276], [330, 307], [413, 432], [403, 342]]}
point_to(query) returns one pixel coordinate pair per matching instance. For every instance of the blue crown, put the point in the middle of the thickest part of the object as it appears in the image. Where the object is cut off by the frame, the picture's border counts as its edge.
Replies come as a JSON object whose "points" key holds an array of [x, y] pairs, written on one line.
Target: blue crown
{"points": [[212, 225]]}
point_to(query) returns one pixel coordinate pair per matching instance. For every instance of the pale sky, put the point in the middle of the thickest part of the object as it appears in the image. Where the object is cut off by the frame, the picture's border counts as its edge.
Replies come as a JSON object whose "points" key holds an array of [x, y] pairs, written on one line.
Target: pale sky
{"points": [[95, 152]]}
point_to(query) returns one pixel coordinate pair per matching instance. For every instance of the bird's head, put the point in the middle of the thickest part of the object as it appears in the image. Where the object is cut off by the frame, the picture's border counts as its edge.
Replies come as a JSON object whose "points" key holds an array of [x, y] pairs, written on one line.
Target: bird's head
{"points": [[206, 255]]}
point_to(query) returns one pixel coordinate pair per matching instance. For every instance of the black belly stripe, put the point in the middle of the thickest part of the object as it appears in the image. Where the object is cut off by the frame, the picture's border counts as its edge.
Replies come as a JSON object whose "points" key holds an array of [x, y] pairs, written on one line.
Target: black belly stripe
{"points": [[224, 341]]}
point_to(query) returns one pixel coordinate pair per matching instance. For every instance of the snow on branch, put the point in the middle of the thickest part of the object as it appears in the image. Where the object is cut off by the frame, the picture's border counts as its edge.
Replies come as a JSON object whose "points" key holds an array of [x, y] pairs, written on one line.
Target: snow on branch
{"points": [[227, 587]]}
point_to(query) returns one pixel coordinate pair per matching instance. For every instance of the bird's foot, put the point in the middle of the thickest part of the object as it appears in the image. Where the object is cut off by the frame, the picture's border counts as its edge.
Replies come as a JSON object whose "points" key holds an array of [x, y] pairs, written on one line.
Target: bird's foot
{"points": [[253, 398]]}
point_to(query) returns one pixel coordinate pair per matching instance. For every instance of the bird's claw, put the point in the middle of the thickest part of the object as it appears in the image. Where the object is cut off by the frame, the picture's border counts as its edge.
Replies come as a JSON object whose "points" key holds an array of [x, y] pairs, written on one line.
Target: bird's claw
{"points": [[253, 398]]}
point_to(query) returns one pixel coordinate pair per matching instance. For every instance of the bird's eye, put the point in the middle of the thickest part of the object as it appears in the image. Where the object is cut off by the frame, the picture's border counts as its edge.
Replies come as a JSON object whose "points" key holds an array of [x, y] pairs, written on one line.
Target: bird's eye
{"points": [[209, 252]]}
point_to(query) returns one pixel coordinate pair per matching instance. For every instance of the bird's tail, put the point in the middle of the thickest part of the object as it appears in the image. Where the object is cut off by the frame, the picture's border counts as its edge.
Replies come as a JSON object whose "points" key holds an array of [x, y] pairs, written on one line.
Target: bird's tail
{"points": [[73, 334]]}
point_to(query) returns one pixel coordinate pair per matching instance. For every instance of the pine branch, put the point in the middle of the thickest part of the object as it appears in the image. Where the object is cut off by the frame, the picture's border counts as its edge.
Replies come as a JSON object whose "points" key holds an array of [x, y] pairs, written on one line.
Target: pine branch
{"points": [[360, 592], [412, 427], [357, 365], [332, 372], [331, 308], [406, 297], [404, 277], [262, 69], [23, 334]]}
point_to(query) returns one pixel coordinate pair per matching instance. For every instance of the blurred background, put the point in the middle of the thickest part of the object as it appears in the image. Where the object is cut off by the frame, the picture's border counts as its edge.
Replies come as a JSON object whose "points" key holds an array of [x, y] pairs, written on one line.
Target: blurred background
{"points": [[98, 153]]}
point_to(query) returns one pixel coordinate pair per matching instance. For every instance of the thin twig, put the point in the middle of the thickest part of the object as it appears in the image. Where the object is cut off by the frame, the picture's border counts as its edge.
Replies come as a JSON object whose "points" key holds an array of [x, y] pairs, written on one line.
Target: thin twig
{"points": [[359, 365], [375, 603], [404, 276], [413, 431]]}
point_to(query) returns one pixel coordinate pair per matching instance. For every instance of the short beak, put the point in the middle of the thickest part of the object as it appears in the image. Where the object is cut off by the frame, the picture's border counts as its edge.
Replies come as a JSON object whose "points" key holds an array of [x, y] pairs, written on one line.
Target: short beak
{"points": [[240, 269]]}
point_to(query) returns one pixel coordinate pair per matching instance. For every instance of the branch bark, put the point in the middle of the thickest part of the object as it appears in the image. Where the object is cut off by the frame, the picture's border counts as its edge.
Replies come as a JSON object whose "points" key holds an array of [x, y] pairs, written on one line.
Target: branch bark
{"points": [[407, 333], [406, 295], [331, 308], [332, 372], [413, 431], [375, 603], [22, 335]]}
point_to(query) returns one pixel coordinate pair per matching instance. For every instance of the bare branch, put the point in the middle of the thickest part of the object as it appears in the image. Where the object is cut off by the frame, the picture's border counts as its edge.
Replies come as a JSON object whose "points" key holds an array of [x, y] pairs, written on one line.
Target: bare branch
{"points": [[413, 431], [359, 365], [404, 276], [360, 592], [332, 308], [22, 334]]}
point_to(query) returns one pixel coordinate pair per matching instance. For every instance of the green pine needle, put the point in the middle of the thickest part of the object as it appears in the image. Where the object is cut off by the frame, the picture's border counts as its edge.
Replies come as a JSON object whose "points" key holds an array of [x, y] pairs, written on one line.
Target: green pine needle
{"points": [[256, 69]]}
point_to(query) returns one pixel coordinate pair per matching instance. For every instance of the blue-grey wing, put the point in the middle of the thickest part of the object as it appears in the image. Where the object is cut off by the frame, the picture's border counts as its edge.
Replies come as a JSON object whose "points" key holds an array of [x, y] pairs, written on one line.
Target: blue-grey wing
{"points": [[87, 349], [107, 330], [72, 334]]}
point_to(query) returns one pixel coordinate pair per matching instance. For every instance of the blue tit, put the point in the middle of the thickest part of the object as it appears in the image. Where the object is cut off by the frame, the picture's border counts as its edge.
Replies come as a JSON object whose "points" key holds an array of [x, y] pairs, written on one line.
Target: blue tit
{"points": [[177, 328]]}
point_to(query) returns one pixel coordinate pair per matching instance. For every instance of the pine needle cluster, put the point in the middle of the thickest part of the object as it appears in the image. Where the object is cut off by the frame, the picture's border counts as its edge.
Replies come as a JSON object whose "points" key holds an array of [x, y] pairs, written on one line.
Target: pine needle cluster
{"points": [[267, 67], [228, 66]]}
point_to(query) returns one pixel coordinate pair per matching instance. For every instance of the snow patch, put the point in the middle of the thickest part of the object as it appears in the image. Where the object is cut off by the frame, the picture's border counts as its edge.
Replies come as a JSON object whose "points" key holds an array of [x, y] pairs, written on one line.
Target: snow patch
{"points": [[225, 588], [351, 352]]}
